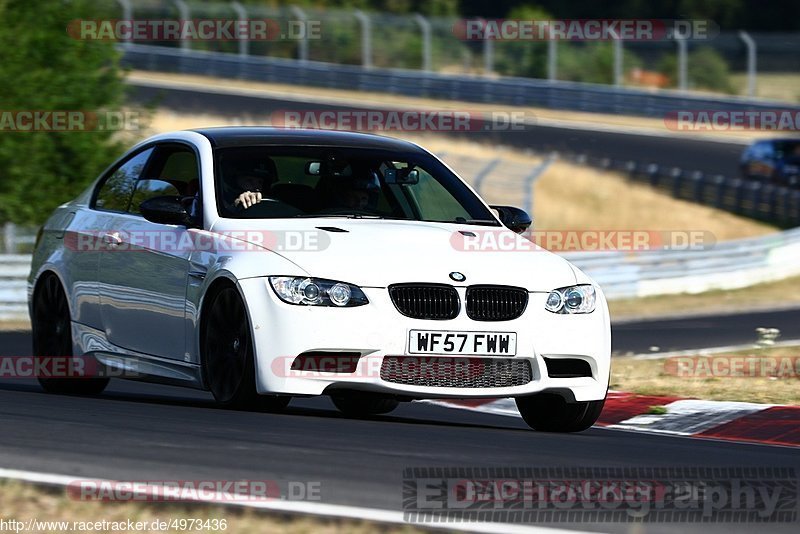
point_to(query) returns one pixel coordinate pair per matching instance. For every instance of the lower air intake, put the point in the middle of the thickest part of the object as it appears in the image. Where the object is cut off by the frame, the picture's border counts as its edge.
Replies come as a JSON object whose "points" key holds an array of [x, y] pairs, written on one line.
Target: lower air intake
{"points": [[455, 372]]}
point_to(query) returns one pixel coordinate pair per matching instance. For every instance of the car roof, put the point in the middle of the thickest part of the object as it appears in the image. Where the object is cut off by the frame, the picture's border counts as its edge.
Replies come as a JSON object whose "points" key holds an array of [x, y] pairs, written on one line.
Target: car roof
{"points": [[234, 136]]}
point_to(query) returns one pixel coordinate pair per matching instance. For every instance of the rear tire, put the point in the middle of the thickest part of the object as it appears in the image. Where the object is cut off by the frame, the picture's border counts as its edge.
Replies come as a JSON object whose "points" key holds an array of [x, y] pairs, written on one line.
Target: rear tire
{"points": [[552, 413], [228, 361], [51, 329], [361, 405]]}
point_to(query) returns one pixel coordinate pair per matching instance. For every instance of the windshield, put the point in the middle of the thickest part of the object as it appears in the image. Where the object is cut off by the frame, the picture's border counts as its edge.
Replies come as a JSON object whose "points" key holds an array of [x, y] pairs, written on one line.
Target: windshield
{"points": [[342, 182]]}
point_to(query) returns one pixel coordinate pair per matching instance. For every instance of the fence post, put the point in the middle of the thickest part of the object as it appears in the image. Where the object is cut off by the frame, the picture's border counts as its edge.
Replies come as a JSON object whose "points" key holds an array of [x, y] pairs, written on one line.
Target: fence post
{"points": [[184, 15], [552, 56], [680, 40], [302, 44], [751, 62], [241, 14], [425, 27], [488, 54], [127, 14], [366, 38], [617, 59]]}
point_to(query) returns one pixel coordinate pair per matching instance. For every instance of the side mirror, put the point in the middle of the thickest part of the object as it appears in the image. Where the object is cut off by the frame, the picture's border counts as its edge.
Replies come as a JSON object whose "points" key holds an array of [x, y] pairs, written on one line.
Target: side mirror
{"points": [[515, 219], [166, 210]]}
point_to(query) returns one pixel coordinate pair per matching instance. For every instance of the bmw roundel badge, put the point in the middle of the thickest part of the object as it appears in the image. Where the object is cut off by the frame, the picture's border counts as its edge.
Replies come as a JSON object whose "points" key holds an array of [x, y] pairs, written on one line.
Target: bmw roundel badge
{"points": [[457, 277]]}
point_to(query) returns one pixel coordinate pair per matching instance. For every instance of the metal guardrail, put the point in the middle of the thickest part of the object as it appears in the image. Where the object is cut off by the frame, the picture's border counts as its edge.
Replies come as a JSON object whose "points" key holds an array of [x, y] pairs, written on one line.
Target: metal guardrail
{"points": [[727, 265], [749, 198], [14, 269], [572, 96]]}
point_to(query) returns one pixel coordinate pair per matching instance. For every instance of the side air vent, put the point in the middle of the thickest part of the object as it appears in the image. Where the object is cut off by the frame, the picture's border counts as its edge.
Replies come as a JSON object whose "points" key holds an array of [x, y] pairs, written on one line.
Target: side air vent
{"points": [[567, 368]]}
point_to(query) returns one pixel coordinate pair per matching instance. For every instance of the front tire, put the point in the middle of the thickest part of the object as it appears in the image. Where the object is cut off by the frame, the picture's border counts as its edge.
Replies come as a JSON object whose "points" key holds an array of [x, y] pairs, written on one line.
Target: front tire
{"points": [[552, 413], [51, 329], [228, 361], [362, 405]]}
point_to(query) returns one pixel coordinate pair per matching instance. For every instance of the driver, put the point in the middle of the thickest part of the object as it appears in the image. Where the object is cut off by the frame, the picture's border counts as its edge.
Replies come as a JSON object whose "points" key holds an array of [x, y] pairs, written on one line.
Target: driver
{"points": [[250, 180]]}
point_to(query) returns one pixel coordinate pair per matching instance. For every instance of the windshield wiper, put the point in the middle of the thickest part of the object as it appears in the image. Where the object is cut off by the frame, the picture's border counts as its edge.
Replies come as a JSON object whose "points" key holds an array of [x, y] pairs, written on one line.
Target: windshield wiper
{"points": [[337, 216], [476, 222]]}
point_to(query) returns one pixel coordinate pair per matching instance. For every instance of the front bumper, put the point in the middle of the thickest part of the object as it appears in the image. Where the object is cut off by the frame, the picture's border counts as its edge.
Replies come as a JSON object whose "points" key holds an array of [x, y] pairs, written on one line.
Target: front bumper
{"points": [[282, 331]]}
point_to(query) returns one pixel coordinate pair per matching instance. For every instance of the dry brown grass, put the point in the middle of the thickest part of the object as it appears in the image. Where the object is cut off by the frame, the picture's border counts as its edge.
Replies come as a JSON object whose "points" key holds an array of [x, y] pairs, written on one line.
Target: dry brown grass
{"points": [[21, 502], [571, 197], [15, 325], [760, 296], [775, 86], [649, 377]]}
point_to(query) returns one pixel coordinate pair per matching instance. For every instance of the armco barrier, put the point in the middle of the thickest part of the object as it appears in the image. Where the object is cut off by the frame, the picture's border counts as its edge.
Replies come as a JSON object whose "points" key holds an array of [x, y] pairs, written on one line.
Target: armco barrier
{"points": [[727, 265], [14, 269]]}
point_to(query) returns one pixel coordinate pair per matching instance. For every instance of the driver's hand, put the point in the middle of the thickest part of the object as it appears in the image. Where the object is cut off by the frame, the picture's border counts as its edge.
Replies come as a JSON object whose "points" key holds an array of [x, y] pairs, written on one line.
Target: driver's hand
{"points": [[247, 199]]}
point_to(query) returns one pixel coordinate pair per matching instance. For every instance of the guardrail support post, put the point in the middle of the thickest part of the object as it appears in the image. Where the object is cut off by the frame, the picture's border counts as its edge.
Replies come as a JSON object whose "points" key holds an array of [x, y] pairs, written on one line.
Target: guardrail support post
{"points": [[302, 44], [366, 38], [425, 27], [127, 14], [241, 14], [751, 62], [680, 40], [185, 15]]}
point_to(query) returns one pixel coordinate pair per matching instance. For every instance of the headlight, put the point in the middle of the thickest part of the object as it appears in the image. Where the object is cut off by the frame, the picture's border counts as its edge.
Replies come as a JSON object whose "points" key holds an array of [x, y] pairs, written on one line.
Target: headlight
{"points": [[573, 299], [306, 291]]}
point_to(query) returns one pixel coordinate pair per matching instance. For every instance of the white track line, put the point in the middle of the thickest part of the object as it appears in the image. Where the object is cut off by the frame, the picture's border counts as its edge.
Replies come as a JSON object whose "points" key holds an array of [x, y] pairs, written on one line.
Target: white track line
{"points": [[708, 351], [299, 507]]}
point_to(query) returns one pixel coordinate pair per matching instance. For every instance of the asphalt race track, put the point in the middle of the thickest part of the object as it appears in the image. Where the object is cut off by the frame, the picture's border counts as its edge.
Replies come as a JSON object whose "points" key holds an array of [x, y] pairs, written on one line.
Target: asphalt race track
{"points": [[687, 153], [137, 431]]}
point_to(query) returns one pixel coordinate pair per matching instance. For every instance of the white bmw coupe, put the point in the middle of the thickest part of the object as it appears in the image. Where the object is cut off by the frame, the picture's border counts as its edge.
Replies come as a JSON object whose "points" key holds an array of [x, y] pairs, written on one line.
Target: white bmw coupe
{"points": [[262, 264]]}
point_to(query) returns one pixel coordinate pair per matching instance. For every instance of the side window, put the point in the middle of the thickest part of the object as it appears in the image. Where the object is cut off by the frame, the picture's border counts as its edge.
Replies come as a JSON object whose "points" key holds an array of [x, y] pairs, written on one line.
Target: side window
{"points": [[177, 165], [115, 192]]}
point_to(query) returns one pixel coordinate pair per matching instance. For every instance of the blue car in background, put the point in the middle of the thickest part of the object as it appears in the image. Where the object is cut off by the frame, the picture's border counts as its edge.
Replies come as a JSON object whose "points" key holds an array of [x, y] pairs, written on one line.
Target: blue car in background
{"points": [[772, 160]]}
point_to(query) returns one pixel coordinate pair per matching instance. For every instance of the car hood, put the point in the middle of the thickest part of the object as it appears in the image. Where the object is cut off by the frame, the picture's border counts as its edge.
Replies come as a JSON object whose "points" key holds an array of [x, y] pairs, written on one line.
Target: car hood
{"points": [[377, 253]]}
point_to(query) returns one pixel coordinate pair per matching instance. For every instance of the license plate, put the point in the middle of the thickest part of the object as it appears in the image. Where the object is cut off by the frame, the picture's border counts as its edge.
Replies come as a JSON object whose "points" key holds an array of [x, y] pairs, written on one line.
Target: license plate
{"points": [[468, 343]]}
